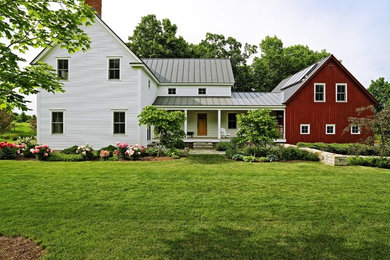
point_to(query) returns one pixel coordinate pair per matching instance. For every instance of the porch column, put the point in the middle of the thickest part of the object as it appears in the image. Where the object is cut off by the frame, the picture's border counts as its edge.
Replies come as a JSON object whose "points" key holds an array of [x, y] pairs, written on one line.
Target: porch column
{"points": [[219, 123], [185, 122]]}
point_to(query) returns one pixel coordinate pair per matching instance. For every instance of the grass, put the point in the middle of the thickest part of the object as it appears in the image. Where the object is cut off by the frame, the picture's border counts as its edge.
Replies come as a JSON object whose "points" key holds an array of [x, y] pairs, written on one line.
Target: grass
{"points": [[21, 129], [201, 207]]}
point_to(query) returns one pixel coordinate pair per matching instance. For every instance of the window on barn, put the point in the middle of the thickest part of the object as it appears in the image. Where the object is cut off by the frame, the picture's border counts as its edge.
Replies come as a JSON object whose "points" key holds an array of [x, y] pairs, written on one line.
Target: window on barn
{"points": [[341, 92], [305, 129], [330, 129], [232, 121], [119, 122], [355, 130], [57, 122], [114, 68], [63, 69], [319, 92]]}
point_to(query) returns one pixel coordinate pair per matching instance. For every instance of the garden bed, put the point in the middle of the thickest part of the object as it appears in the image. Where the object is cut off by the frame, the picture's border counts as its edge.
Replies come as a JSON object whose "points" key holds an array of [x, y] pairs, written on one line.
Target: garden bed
{"points": [[19, 248]]}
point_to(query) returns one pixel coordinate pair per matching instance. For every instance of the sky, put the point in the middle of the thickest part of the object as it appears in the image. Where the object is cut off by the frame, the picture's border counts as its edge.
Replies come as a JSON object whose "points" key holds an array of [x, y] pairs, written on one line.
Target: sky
{"points": [[355, 31]]}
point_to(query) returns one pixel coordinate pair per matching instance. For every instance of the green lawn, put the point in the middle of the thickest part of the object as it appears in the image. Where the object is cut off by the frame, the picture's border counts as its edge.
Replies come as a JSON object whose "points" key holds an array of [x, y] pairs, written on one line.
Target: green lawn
{"points": [[21, 129], [201, 207]]}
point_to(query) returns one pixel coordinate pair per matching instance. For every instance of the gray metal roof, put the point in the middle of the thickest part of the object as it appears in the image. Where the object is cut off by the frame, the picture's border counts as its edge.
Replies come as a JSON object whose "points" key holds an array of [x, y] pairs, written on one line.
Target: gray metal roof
{"points": [[198, 71], [291, 84], [237, 99]]}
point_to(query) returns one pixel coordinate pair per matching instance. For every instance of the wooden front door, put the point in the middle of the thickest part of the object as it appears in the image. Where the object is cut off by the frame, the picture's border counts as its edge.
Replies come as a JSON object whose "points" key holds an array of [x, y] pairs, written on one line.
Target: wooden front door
{"points": [[202, 124]]}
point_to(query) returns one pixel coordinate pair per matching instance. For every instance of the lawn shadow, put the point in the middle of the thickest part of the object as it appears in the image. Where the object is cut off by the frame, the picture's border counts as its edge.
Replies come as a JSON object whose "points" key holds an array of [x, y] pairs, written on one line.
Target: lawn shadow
{"points": [[228, 243], [207, 158]]}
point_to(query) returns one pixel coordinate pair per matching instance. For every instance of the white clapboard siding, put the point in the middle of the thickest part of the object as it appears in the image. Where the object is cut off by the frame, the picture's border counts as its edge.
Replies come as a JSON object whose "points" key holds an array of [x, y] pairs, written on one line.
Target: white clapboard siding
{"points": [[191, 91]]}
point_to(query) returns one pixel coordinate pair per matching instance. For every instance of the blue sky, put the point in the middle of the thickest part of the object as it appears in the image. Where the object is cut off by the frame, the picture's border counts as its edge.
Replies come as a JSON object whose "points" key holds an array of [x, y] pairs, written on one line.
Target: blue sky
{"points": [[356, 32]]}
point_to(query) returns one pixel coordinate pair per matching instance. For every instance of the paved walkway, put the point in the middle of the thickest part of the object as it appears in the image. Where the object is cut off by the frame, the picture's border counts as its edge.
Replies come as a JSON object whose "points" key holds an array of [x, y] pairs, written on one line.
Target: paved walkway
{"points": [[205, 151]]}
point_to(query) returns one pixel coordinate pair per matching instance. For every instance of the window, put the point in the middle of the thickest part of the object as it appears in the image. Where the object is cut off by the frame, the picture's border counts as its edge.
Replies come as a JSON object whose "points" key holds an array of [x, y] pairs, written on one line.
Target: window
{"points": [[114, 69], [149, 133], [330, 129], [355, 130], [171, 91], [232, 121], [305, 129], [119, 122], [57, 122], [341, 92], [63, 69], [319, 92], [201, 91]]}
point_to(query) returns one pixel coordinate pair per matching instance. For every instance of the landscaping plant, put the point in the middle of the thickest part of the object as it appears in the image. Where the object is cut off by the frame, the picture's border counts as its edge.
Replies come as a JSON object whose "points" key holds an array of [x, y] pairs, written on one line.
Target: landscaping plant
{"points": [[42, 152], [8, 150], [86, 151], [104, 155]]}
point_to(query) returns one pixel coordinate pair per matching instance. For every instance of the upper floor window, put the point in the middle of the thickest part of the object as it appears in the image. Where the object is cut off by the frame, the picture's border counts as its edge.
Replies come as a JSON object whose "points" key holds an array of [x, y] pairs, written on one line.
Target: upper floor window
{"points": [[305, 129], [319, 92], [119, 122], [57, 122], [341, 92], [330, 129], [63, 68], [355, 130], [202, 91], [171, 91], [232, 121], [114, 68]]}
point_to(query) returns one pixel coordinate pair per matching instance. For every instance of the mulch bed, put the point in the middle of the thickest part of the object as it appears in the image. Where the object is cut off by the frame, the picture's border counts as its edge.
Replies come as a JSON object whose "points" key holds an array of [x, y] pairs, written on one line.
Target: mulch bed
{"points": [[19, 248]]}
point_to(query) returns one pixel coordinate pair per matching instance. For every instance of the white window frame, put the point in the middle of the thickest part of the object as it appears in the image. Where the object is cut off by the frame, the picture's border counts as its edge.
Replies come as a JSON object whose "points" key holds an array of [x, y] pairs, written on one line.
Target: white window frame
{"points": [[112, 121], [308, 128], [63, 58], [346, 93], [334, 129], [51, 121], [205, 91], [358, 133], [108, 67], [319, 101], [170, 93]]}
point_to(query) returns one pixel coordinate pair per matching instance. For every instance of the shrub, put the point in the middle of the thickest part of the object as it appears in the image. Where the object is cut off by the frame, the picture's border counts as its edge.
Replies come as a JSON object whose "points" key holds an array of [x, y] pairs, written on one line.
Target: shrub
{"points": [[109, 149], [262, 159], [42, 152], [86, 151], [255, 150], [347, 149], [104, 155], [127, 152], [223, 146], [231, 151], [249, 158], [238, 157], [174, 153], [179, 144], [70, 150], [8, 150], [155, 151], [63, 157], [272, 158], [370, 161], [29, 143]]}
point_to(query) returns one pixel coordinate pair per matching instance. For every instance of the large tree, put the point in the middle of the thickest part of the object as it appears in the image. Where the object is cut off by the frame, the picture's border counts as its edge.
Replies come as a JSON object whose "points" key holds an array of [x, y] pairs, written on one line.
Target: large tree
{"points": [[153, 38], [380, 89], [277, 62], [26, 24]]}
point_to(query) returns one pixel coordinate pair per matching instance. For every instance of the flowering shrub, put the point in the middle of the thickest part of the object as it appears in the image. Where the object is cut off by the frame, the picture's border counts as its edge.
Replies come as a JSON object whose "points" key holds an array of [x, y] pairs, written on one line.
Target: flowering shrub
{"points": [[86, 151], [127, 152], [8, 150], [26, 143], [104, 155], [42, 152]]}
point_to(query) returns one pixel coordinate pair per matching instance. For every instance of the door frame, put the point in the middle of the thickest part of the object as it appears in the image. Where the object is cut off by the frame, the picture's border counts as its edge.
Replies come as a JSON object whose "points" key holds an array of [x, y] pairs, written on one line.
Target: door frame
{"points": [[197, 123]]}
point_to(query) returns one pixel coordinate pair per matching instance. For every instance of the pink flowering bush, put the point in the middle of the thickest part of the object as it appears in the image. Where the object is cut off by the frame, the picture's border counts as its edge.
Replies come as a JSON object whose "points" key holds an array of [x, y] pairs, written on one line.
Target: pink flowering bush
{"points": [[41, 152], [127, 152], [8, 150], [104, 155], [86, 151]]}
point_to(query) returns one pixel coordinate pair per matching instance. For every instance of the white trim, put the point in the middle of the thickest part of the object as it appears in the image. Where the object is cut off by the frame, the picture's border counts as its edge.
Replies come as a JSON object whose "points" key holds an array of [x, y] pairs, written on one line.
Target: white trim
{"points": [[346, 92], [219, 123], [63, 120], [314, 88], [358, 133], [38, 117], [108, 67], [334, 129], [186, 122], [284, 124], [112, 121], [63, 58], [300, 129], [220, 107]]}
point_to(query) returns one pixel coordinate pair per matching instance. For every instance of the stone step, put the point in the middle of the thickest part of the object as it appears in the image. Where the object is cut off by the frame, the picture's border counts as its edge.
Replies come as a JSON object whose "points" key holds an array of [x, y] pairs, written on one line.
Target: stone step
{"points": [[203, 146]]}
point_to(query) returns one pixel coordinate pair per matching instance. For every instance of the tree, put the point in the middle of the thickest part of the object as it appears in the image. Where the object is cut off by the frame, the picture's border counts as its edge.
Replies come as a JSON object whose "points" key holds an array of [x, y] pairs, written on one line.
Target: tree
{"points": [[371, 123], [153, 38], [257, 128], [33, 123], [23, 117], [276, 62], [26, 24], [6, 120], [380, 89], [166, 124]]}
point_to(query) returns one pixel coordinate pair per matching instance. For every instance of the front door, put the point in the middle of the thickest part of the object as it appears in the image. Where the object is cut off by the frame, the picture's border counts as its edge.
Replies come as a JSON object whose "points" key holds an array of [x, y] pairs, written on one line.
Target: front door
{"points": [[202, 124]]}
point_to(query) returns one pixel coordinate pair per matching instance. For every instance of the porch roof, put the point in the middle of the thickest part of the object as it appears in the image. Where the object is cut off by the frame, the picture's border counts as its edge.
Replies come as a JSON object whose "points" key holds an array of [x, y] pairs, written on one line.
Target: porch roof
{"points": [[236, 99]]}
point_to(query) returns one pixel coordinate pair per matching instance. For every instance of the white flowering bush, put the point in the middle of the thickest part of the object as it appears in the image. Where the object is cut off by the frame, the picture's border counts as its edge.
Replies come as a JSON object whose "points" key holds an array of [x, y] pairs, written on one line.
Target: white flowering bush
{"points": [[126, 151], [86, 151]]}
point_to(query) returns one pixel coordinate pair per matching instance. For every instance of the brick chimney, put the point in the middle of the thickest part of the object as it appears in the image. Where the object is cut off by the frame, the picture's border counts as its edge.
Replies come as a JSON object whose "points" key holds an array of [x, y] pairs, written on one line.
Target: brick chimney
{"points": [[96, 5]]}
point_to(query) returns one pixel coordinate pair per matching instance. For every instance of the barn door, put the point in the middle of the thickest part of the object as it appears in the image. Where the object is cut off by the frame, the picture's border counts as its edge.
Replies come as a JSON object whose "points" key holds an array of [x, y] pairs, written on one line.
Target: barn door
{"points": [[202, 124]]}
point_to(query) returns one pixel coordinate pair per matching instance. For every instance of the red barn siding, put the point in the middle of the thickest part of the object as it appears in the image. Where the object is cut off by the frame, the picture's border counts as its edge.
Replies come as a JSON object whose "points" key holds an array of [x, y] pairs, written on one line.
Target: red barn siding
{"points": [[302, 109]]}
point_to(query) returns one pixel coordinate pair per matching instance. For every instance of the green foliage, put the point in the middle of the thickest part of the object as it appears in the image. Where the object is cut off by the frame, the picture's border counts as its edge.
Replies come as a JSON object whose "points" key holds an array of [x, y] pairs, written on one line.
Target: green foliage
{"points": [[179, 144], [291, 153], [110, 149], [18, 130], [23, 118], [30, 142], [33, 123], [237, 157], [37, 24], [370, 161], [380, 89], [223, 146], [86, 151], [6, 119], [8, 151], [346, 149], [257, 128], [155, 151], [249, 158], [62, 157], [166, 124], [174, 153], [70, 150]]}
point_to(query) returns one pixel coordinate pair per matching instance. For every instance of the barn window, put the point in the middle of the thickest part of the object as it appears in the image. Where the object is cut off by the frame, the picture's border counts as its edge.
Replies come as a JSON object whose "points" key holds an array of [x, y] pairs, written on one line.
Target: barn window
{"points": [[114, 68], [201, 91], [355, 130], [57, 122], [119, 122], [63, 69], [232, 121], [305, 129], [319, 92], [330, 129], [341, 92], [171, 91]]}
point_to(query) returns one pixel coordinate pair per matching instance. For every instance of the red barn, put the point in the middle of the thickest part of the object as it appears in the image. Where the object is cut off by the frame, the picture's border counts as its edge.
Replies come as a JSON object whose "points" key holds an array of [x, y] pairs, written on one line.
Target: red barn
{"points": [[319, 100]]}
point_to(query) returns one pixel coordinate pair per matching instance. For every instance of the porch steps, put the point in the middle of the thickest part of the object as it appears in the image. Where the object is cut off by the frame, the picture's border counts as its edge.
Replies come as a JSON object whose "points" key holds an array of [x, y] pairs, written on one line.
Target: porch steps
{"points": [[208, 146]]}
